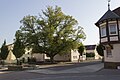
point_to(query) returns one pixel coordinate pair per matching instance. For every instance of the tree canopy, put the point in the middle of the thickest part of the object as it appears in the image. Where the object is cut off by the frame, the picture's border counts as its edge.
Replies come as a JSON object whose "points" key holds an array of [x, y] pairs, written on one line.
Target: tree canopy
{"points": [[51, 33], [4, 51], [18, 49]]}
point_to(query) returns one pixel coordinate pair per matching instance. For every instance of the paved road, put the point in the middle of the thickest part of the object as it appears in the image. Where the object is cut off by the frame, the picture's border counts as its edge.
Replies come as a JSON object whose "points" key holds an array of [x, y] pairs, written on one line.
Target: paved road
{"points": [[74, 68], [103, 74], [73, 65]]}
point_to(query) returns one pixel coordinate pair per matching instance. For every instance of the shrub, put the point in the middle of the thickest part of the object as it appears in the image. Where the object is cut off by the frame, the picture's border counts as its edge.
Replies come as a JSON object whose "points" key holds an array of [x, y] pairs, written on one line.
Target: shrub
{"points": [[90, 54]]}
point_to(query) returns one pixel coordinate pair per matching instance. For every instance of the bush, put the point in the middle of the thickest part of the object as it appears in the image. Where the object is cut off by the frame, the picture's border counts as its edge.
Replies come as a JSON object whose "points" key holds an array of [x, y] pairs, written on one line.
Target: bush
{"points": [[100, 49], [90, 54]]}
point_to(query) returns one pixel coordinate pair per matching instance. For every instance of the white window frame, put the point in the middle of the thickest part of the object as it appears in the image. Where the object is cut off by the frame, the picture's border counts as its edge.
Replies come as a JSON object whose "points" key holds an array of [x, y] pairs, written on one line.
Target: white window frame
{"points": [[103, 31], [119, 25], [119, 32], [111, 32]]}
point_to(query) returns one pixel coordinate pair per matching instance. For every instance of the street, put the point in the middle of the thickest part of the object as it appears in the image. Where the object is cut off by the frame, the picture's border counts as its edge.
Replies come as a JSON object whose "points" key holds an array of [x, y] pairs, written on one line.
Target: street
{"points": [[102, 74]]}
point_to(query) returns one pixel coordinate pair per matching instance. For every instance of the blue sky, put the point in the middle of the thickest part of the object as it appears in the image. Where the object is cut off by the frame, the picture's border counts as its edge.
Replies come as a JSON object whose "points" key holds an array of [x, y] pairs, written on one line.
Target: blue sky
{"points": [[86, 12]]}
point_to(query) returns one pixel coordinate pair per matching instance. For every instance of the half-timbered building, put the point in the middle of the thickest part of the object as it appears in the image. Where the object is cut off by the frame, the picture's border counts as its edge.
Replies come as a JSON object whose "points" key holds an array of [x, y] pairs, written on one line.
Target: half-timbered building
{"points": [[109, 31]]}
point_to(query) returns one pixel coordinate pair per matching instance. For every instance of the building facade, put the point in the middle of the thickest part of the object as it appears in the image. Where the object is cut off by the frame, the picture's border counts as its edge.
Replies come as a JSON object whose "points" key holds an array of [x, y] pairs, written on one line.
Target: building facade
{"points": [[91, 49], [109, 31], [73, 56]]}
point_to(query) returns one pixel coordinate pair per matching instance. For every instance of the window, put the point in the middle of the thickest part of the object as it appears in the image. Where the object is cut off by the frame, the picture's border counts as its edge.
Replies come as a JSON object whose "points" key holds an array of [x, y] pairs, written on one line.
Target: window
{"points": [[103, 31], [108, 51], [119, 32], [112, 29], [74, 57], [119, 25]]}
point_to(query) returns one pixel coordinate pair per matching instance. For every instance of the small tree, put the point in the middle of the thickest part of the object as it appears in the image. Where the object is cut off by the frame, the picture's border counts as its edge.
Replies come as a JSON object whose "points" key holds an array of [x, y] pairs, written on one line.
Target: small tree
{"points": [[100, 49], [4, 52], [18, 49], [81, 50]]}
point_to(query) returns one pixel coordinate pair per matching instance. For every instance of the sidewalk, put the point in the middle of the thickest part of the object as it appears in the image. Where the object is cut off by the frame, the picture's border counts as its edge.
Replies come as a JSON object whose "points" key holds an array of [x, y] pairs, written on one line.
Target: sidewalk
{"points": [[84, 69]]}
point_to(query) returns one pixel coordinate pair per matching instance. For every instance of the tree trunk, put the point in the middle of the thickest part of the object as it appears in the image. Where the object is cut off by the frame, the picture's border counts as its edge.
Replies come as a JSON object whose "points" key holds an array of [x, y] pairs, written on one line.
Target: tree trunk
{"points": [[52, 59], [17, 61], [3, 62], [79, 59]]}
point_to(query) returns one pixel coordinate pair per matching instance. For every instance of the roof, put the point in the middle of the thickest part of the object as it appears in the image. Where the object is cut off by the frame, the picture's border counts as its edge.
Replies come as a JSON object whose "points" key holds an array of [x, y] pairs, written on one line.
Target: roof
{"points": [[108, 15], [117, 11], [90, 47]]}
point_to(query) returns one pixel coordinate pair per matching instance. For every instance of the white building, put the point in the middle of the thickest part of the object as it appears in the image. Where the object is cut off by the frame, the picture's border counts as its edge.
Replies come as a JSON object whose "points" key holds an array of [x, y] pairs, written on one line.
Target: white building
{"points": [[73, 56], [109, 31], [92, 49], [11, 57]]}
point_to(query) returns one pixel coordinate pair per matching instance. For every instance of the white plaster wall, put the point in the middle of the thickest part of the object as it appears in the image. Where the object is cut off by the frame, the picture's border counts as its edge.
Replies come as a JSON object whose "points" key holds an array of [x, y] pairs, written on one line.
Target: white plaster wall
{"points": [[74, 55], [102, 24], [26, 55], [28, 50], [112, 22], [45, 57], [97, 56], [104, 40], [65, 57], [115, 54], [42, 57], [114, 38], [38, 56], [89, 51]]}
